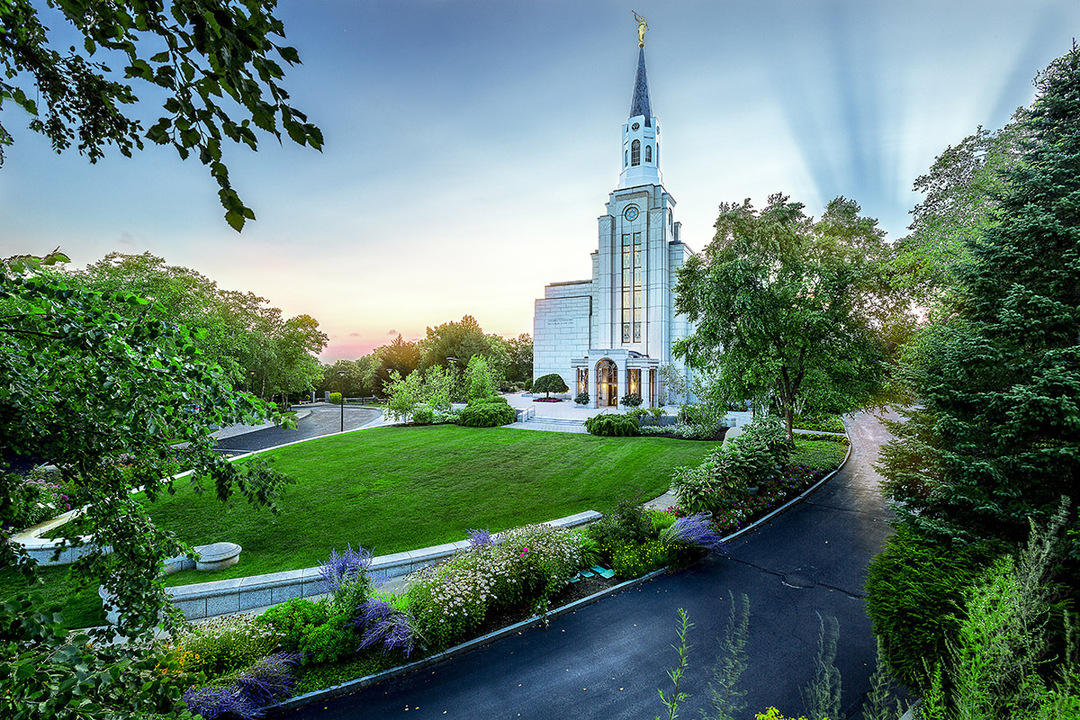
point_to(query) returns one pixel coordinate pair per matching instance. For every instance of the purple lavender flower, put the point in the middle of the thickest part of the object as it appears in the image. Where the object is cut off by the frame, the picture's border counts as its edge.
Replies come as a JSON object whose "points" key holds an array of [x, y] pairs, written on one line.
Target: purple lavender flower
{"points": [[341, 569], [269, 679], [382, 623], [693, 530], [213, 702], [481, 538]]}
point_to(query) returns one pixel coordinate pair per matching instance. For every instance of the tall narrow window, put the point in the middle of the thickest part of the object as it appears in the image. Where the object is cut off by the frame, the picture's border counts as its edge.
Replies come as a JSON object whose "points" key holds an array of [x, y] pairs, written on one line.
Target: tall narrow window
{"points": [[635, 152], [631, 287], [648, 153]]}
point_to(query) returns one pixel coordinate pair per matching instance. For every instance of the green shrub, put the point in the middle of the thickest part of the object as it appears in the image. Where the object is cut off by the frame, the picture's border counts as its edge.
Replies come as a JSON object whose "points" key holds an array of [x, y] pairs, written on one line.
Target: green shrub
{"points": [[550, 383], [294, 619], [334, 639], [335, 398], [626, 523], [487, 414], [611, 425], [821, 423], [631, 400], [661, 520], [754, 458], [588, 547], [222, 645], [915, 597], [490, 399], [423, 415], [320, 677], [769, 432], [582, 398]]}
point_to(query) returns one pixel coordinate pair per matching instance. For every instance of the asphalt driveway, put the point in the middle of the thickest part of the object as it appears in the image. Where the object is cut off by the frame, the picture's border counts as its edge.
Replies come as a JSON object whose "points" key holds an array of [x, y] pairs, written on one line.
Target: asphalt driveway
{"points": [[323, 420], [608, 659]]}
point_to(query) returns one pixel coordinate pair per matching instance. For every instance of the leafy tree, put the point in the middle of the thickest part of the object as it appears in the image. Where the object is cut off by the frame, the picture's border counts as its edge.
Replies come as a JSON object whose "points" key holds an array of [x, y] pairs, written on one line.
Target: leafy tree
{"points": [[549, 383], [259, 349], [962, 192], [406, 394], [999, 375], [102, 397], [478, 381], [519, 367], [399, 356], [358, 380], [37, 656], [199, 52], [460, 340], [788, 311]]}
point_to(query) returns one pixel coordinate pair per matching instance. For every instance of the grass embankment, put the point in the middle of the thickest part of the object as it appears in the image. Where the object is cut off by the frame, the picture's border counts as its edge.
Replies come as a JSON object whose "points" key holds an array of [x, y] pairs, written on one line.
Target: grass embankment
{"points": [[402, 488]]}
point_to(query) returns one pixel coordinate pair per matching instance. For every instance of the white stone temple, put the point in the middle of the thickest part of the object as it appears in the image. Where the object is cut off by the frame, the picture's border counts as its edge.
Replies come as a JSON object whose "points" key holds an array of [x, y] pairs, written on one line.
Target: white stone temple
{"points": [[610, 335]]}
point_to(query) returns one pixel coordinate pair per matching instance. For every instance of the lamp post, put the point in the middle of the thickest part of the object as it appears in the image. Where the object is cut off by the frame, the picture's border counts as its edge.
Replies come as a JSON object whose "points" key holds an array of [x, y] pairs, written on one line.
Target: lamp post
{"points": [[341, 386]]}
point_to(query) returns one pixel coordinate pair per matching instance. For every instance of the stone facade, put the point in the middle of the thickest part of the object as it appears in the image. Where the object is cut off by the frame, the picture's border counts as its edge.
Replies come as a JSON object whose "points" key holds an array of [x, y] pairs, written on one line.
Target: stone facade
{"points": [[609, 335]]}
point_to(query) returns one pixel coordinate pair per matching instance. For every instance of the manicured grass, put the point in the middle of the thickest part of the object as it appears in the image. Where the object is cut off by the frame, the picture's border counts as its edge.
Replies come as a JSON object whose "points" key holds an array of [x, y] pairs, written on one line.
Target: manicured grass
{"points": [[80, 607], [824, 455], [393, 489]]}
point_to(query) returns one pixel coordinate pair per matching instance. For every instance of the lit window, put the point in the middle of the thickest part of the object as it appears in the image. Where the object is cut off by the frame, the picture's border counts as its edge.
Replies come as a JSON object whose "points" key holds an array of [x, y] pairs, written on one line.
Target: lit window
{"points": [[635, 152]]}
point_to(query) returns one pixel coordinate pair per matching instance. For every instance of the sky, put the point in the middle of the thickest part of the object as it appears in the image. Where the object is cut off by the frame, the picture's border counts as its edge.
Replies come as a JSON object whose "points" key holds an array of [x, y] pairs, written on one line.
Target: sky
{"points": [[470, 146]]}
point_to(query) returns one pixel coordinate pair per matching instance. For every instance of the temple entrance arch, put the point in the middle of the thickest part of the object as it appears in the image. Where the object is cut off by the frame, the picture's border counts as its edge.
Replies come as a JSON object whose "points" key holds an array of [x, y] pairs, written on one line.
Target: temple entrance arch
{"points": [[607, 383]]}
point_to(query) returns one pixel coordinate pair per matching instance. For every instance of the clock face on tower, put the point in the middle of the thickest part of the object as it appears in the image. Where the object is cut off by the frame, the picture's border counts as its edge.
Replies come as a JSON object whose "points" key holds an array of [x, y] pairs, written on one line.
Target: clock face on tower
{"points": [[631, 213]]}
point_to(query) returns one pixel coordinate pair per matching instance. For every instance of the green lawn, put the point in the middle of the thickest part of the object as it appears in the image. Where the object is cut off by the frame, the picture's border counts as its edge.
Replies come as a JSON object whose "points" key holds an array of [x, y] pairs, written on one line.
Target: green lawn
{"points": [[393, 489]]}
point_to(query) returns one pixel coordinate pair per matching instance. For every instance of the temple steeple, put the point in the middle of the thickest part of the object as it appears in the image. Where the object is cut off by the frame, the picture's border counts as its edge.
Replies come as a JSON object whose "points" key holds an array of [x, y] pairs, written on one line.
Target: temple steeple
{"points": [[641, 135], [639, 105]]}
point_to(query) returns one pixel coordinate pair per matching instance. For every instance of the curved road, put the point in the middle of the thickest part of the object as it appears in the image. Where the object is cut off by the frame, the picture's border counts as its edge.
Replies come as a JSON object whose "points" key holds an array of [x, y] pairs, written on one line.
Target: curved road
{"points": [[323, 420], [607, 660]]}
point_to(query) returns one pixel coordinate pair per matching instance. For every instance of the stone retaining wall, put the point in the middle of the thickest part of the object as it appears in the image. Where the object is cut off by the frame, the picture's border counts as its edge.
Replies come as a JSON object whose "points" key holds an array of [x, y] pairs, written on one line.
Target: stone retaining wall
{"points": [[222, 597]]}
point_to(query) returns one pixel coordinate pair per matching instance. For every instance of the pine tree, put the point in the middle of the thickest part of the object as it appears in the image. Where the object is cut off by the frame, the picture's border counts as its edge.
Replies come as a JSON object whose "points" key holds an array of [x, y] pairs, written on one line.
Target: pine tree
{"points": [[1001, 376]]}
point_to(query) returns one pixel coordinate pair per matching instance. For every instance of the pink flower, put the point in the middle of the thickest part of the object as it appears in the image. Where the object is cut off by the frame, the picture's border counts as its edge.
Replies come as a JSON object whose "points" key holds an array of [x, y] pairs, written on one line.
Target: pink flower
{"points": [[523, 551]]}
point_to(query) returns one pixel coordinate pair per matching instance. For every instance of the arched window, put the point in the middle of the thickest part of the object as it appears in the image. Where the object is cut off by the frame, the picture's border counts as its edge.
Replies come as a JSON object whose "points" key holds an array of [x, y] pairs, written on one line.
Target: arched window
{"points": [[635, 152], [648, 153], [624, 158]]}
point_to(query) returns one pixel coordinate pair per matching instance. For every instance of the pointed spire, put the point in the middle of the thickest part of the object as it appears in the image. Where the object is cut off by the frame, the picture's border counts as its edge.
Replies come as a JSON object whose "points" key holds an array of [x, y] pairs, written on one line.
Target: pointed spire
{"points": [[640, 104]]}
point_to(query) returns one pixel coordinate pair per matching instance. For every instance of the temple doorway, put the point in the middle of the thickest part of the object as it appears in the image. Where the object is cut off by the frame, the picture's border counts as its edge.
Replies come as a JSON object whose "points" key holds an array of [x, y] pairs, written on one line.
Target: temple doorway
{"points": [[607, 384]]}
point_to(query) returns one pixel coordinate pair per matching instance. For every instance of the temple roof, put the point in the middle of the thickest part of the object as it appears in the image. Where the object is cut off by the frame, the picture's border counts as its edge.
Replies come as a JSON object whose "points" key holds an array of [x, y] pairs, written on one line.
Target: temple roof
{"points": [[640, 104]]}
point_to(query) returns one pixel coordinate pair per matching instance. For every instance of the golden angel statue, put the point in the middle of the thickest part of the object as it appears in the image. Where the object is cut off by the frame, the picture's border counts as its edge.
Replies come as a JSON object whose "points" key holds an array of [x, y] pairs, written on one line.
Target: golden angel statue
{"points": [[642, 26]]}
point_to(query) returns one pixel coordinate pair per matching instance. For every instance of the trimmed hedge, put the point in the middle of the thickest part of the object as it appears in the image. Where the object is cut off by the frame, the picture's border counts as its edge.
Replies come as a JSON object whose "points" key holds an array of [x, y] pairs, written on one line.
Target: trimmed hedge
{"points": [[610, 425], [487, 413], [821, 423]]}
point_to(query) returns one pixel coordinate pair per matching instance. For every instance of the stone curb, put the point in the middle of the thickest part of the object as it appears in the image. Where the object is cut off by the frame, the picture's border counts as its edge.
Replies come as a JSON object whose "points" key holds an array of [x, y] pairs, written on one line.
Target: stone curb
{"points": [[368, 680]]}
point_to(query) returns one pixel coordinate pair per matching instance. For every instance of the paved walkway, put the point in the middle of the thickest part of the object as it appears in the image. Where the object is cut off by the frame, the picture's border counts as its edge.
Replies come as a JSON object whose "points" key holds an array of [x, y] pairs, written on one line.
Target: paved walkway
{"points": [[567, 416], [607, 660]]}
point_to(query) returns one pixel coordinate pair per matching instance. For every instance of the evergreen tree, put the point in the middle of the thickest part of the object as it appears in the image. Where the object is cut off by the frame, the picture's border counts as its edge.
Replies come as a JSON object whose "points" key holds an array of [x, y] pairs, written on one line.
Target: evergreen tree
{"points": [[1000, 377]]}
